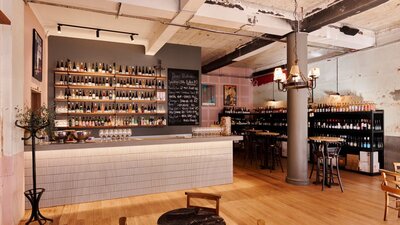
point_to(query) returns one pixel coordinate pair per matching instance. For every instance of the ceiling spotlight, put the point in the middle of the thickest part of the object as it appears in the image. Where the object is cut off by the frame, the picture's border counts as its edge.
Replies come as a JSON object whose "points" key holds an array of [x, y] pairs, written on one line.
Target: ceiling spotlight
{"points": [[97, 33], [132, 38], [59, 29]]}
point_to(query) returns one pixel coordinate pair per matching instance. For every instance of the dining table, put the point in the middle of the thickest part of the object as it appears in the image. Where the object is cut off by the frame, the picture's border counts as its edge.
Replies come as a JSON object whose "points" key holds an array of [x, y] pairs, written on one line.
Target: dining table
{"points": [[190, 216]]}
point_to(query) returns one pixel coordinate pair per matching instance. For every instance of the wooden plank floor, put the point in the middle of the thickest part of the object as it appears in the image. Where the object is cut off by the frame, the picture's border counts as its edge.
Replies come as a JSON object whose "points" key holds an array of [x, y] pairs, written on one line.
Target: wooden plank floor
{"points": [[255, 194]]}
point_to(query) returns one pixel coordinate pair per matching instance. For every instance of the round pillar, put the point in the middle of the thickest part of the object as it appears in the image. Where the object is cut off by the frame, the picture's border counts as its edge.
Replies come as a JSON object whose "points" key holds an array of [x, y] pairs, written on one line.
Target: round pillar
{"points": [[297, 114]]}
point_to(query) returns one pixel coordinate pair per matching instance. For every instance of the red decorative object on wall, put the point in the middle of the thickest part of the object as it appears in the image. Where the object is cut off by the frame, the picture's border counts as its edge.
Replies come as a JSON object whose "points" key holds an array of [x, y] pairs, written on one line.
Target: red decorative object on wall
{"points": [[264, 79]]}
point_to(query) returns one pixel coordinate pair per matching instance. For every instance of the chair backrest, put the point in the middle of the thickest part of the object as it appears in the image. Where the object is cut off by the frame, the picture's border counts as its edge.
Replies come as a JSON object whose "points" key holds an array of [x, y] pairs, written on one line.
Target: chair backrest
{"points": [[208, 196], [389, 184], [396, 167]]}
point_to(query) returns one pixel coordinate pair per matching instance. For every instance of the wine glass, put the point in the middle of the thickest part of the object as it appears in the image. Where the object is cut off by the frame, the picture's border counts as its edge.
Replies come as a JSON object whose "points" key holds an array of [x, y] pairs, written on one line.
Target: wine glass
{"points": [[106, 135], [111, 134], [101, 135]]}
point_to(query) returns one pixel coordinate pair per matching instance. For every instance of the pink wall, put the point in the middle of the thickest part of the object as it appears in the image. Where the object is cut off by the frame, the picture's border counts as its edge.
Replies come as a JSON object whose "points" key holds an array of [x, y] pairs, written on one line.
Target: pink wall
{"points": [[12, 183], [31, 22], [209, 114]]}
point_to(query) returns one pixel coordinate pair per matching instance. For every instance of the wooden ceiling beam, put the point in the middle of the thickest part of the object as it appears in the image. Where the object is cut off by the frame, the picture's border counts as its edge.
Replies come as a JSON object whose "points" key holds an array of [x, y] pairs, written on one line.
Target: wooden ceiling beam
{"points": [[336, 13], [4, 19]]}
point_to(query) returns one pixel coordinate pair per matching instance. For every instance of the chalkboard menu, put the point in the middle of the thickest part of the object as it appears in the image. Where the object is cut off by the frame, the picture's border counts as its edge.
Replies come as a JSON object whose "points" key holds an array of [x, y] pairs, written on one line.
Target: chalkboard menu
{"points": [[183, 97]]}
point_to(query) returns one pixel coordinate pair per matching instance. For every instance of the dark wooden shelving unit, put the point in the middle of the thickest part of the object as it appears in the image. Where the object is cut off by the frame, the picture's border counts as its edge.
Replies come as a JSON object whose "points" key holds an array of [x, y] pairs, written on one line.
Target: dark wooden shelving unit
{"points": [[116, 114], [268, 121]]}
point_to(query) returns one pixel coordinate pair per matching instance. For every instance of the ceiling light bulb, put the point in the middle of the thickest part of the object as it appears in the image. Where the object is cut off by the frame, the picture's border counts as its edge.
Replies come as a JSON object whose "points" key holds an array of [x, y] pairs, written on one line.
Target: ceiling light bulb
{"points": [[279, 75], [132, 38], [314, 72], [59, 29], [295, 70], [97, 33]]}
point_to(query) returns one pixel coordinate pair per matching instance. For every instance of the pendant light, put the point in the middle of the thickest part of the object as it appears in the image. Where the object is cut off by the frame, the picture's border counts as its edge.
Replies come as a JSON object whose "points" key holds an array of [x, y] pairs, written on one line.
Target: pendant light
{"points": [[337, 78]]}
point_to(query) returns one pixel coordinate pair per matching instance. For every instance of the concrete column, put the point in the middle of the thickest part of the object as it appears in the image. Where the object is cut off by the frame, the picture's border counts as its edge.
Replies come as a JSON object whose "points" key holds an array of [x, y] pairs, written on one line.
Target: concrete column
{"points": [[297, 114]]}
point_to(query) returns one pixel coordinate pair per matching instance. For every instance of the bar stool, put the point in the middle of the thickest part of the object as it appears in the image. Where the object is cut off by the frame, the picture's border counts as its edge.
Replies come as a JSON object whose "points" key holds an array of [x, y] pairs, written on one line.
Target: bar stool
{"points": [[318, 163], [333, 156], [276, 152], [252, 146]]}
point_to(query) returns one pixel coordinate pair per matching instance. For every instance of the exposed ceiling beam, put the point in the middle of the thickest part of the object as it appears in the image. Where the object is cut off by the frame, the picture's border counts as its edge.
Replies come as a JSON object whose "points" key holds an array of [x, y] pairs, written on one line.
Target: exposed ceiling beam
{"points": [[188, 8], [246, 49], [226, 16], [332, 14], [337, 12]]}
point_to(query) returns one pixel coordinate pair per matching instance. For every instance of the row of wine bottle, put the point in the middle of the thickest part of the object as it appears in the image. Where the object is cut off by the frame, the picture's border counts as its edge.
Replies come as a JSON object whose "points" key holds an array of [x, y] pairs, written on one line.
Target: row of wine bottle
{"points": [[111, 68], [270, 109], [109, 95], [112, 121], [348, 124], [345, 107], [358, 141], [80, 107], [237, 110], [110, 82]]}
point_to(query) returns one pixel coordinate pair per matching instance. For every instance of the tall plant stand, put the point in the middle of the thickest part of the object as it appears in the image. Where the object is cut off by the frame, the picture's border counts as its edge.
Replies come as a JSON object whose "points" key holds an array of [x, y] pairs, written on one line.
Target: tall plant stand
{"points": [[34, 195]]}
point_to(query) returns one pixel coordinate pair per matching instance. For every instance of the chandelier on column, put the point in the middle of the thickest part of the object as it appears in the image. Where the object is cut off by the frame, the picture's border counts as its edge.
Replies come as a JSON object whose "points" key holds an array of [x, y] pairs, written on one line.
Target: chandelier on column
{"points": [[296, 79]]}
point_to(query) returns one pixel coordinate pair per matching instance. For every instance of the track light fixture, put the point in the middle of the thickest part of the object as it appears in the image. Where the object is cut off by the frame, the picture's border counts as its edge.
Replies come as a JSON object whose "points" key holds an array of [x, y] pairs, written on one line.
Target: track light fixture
{"points": [[59, 25]]}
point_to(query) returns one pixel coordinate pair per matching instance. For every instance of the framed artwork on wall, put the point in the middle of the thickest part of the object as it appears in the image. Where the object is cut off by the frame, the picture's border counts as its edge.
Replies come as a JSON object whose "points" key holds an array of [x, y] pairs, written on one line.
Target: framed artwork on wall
{"points": [[37, 56], [230, 95], [208, 95]]}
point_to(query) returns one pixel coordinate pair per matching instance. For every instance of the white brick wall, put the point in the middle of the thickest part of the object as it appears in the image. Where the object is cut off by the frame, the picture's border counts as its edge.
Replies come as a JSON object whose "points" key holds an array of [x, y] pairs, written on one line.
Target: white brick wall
{"points": [[82, 175]]}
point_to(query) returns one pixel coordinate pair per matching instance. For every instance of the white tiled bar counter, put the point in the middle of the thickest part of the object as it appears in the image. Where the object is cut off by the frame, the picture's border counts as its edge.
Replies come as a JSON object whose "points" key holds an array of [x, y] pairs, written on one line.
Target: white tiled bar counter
{"points": [[74, 173]]}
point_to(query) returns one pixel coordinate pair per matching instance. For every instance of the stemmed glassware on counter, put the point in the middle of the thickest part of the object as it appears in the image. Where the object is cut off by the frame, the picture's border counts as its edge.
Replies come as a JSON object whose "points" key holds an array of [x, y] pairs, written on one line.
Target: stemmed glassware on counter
{"points": [[107, 135], [206, 131]]}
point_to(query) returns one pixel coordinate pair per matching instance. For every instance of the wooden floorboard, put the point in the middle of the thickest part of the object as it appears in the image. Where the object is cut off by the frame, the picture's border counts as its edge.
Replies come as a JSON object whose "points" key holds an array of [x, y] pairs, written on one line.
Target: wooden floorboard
{"points": [[254, 194]]}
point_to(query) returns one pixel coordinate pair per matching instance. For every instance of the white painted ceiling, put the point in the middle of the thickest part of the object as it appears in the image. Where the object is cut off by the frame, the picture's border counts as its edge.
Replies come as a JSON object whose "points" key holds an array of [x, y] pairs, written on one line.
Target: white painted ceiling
{"points": [[149, 18]]}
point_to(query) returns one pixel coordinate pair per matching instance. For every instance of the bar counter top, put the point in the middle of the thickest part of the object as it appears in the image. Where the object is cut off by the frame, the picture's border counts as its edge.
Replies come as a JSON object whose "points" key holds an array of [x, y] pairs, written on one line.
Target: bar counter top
{"points": [[136, 141]]}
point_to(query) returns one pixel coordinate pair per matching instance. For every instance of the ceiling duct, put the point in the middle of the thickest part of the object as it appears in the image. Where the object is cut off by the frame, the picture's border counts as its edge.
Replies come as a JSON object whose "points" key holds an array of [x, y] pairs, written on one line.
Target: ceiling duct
{"points": [[349, 31]]}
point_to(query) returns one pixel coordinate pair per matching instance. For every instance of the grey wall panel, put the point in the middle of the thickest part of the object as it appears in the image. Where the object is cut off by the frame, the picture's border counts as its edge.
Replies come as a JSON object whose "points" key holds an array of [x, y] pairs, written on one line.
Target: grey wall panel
{"points": [[171, 56]]}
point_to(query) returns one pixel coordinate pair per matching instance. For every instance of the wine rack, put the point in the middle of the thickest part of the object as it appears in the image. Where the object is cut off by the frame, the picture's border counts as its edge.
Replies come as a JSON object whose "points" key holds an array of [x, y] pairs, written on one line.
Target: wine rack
{"points": [[103, 97], [363, 131]]}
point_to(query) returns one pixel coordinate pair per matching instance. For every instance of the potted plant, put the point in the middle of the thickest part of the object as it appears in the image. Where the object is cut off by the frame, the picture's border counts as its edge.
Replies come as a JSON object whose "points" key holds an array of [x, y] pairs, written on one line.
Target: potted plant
{"points": [[40, 120]]}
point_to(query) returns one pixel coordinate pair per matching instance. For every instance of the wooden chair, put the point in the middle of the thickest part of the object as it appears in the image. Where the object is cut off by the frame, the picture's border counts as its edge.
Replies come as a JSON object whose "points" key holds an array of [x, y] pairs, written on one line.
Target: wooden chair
{"points": [[390, 187], [396, 167], [213, 197]]}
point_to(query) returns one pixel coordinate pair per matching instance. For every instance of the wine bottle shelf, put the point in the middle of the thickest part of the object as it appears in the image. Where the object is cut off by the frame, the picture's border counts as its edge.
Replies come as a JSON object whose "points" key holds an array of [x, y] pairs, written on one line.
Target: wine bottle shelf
{"points": [[366, 133], [108, 101], [109, 127], [84, 87], [110, 113], [82, 73], [108, 88]]}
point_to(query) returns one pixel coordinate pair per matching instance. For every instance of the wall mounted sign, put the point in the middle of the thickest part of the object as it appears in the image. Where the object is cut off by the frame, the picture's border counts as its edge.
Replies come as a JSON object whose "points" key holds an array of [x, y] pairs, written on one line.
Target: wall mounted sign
{"points": [[230, 95], [183, 97], [37, 56], [208, 95]]}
